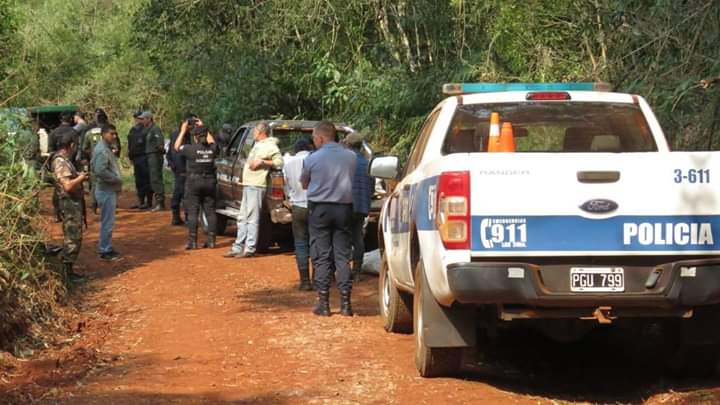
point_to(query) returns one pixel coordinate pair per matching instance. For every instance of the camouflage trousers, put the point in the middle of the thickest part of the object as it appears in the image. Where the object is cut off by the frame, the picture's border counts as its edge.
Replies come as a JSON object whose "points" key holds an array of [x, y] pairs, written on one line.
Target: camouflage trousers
{"points": [[72, 213], [155, 162]]}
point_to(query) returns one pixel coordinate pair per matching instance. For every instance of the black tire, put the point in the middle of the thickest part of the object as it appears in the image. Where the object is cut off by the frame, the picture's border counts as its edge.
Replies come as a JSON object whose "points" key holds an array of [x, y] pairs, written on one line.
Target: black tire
{"points": [[431, 361], [265, 233], [699, 361], [221, 224], [395, 306]]}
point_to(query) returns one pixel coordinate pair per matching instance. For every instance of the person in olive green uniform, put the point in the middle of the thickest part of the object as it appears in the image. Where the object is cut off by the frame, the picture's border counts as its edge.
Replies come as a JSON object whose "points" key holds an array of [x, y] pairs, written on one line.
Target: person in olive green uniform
{"points": [[69, 187], [155, 150]]}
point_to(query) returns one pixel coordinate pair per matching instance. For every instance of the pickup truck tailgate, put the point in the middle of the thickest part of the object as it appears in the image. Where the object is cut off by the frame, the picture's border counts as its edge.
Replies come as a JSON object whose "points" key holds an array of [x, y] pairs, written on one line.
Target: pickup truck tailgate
{"points": [[569, 204]]}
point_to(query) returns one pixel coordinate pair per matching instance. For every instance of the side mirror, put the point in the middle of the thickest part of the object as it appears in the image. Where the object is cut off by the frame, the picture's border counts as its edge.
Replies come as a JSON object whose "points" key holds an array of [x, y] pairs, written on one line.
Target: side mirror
{"points": [[384, 167]]}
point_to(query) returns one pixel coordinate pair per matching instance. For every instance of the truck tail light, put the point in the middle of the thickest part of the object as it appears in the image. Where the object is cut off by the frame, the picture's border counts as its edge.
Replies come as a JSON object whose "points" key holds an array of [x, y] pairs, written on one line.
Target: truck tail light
{"points": [[547, 96], [453, 209], [277, 187]]}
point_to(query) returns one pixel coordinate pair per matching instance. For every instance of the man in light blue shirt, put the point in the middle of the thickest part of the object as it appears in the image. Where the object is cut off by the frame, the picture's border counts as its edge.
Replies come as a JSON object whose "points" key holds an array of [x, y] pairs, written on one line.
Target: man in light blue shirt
{"points": [[328, 176], [298, 201]]}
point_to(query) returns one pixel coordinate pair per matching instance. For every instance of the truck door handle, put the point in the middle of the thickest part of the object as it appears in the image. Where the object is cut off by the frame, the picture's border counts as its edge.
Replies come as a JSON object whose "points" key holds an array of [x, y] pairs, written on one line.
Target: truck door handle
{"points": [[598, 176]]}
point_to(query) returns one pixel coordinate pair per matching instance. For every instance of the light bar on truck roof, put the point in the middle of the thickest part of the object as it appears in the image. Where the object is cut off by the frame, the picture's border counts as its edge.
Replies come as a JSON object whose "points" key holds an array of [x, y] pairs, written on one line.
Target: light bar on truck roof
{"points": [[454, 89]]}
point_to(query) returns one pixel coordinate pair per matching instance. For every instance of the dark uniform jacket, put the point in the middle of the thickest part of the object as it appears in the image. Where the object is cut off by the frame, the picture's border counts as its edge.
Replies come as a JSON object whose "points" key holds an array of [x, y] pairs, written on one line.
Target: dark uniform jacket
{"points": [[155, 142], [176, 160], [136, 142], [200, 158]]}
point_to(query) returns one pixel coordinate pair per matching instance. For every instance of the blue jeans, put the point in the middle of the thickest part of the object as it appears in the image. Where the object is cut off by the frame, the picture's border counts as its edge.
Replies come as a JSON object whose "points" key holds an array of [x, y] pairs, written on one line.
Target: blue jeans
{"points": [[248, 222], [302, 239], [107, 202]]}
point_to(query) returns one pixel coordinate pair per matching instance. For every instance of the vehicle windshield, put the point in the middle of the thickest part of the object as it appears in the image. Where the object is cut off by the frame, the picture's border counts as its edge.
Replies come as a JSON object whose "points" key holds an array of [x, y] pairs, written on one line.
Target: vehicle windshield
{"points": [[288, 137], [553, 127]]}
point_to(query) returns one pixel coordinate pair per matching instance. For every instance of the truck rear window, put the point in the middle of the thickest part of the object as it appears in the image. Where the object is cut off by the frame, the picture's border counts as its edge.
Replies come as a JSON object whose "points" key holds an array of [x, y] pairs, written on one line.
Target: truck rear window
{"points": [[553, 127]]}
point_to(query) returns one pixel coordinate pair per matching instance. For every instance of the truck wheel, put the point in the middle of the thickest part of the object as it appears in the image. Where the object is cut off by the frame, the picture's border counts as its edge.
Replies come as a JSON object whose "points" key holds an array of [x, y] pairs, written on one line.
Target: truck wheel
{"points": [[395, 306], [265, 233], [430, 361], [220, 223], [695, 360]]}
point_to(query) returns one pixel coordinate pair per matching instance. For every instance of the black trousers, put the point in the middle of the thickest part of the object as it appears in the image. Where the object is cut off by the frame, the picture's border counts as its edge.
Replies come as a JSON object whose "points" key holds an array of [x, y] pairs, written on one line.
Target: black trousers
{"points": [[200, 194], [178, 190], [330, 243], [142, 178]]}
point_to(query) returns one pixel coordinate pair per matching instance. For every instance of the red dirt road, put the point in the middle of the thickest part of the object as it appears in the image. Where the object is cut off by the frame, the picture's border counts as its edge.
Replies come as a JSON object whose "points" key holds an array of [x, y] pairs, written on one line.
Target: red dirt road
{"points": [[169, 326]]}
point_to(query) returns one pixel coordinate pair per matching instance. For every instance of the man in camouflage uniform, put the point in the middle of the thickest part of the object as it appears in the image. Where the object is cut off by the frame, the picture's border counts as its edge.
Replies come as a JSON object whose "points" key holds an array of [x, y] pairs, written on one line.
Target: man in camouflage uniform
{"points": [[66, 126], [155, 150], [69, 187]]}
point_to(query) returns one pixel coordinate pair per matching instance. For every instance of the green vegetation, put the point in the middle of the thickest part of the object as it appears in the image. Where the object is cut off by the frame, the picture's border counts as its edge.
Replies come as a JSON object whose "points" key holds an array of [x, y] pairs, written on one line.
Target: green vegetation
{"points": [[376, 64], [28, 289]]}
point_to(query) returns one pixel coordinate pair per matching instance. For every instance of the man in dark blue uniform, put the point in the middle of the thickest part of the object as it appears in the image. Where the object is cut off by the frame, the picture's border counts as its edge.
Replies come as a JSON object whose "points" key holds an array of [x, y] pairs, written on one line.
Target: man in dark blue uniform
{"points": [[200, 186], [177, 164], [138, 157]]}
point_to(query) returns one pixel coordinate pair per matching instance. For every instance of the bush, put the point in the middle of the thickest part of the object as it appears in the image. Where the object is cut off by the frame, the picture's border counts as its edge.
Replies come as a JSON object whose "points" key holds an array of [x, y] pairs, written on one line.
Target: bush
{"points": [[28, 287]]}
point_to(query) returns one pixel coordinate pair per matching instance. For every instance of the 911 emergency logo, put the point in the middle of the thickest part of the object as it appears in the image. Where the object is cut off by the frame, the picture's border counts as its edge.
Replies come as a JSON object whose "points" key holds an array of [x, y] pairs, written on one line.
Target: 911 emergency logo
{"points": [[503, 232]]}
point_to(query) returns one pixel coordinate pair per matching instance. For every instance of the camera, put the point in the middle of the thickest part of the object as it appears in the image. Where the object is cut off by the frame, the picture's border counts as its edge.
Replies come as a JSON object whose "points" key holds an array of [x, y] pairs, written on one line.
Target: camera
{"points": [[192, 121]]}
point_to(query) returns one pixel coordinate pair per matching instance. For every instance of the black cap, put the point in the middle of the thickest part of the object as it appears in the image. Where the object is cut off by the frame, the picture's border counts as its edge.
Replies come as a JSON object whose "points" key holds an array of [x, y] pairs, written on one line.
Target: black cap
{"points": [[302, 144], [100, 111], [66, 136]]}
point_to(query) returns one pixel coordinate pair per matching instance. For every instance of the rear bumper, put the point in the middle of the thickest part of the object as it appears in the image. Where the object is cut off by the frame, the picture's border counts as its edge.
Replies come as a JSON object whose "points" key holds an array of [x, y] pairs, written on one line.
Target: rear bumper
{"points": [[678, 286]]}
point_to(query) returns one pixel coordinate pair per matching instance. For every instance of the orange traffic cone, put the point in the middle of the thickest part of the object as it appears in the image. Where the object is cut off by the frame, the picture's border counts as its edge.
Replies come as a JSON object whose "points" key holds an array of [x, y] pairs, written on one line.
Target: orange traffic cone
{"points": [[494, 138], [507, 138]]}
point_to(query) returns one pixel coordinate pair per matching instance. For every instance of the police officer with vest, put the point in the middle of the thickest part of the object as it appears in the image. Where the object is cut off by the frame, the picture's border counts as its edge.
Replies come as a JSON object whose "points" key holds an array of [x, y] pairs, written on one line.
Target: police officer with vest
{"points": [[141, 169], [155, 151], [200, 187], [178, 166]]}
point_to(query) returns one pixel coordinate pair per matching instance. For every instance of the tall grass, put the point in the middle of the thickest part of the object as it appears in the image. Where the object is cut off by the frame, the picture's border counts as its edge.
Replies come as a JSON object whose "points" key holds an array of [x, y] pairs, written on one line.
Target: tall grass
{"points": [[29, 289]]}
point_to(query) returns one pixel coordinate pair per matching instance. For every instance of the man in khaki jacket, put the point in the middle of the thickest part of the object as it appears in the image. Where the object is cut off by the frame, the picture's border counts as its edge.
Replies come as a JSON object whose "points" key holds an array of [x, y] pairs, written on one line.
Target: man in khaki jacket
{"points": [[265, 155]]}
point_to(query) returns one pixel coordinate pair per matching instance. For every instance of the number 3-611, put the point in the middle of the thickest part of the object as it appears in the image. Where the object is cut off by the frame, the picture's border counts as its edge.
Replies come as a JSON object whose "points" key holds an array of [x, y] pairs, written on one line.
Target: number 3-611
{"points": [[692, 176]]}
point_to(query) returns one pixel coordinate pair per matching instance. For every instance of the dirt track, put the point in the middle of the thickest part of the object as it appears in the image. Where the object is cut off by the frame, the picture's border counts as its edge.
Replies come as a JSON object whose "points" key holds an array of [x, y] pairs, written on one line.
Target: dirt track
{"points": [[165, 325]]}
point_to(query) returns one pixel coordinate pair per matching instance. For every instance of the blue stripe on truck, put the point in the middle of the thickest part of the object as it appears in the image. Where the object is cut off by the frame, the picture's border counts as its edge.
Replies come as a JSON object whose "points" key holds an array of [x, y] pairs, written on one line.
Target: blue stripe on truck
{"points": [[575, 233]]}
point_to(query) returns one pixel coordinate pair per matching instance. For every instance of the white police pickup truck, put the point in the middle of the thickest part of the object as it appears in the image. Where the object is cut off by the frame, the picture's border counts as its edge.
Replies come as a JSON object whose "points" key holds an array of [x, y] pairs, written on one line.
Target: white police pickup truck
{"points": [[574, 214]]}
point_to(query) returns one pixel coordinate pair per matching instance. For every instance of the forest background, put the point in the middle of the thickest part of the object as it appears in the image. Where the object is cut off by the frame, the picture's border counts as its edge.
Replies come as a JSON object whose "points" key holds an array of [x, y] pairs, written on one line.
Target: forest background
{"points": [[375, 64]]}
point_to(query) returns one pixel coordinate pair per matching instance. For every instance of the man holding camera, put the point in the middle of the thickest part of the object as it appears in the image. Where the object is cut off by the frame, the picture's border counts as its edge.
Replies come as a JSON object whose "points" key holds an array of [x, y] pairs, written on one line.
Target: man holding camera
{"points": [[177, 164], [201, 179], [155, 150]]}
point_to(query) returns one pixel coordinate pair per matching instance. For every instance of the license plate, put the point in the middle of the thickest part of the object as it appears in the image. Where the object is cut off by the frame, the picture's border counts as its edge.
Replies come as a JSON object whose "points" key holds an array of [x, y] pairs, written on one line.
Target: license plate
{"points": [[597, 279]]}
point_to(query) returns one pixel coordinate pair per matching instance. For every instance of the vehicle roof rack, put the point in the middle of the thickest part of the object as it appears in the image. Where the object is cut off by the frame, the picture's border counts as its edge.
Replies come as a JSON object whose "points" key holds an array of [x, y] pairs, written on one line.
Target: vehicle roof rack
{"points": [[454, 89]]}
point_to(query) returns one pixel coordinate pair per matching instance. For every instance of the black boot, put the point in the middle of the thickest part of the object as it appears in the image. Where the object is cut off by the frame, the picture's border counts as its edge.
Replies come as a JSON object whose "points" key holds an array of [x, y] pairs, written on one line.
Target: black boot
{"points": [[148, 204], [192, 241], [322, 308], [345, 307], [70, 275], [305, 284], [159, 204], [210, 243], [176, 220]]}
